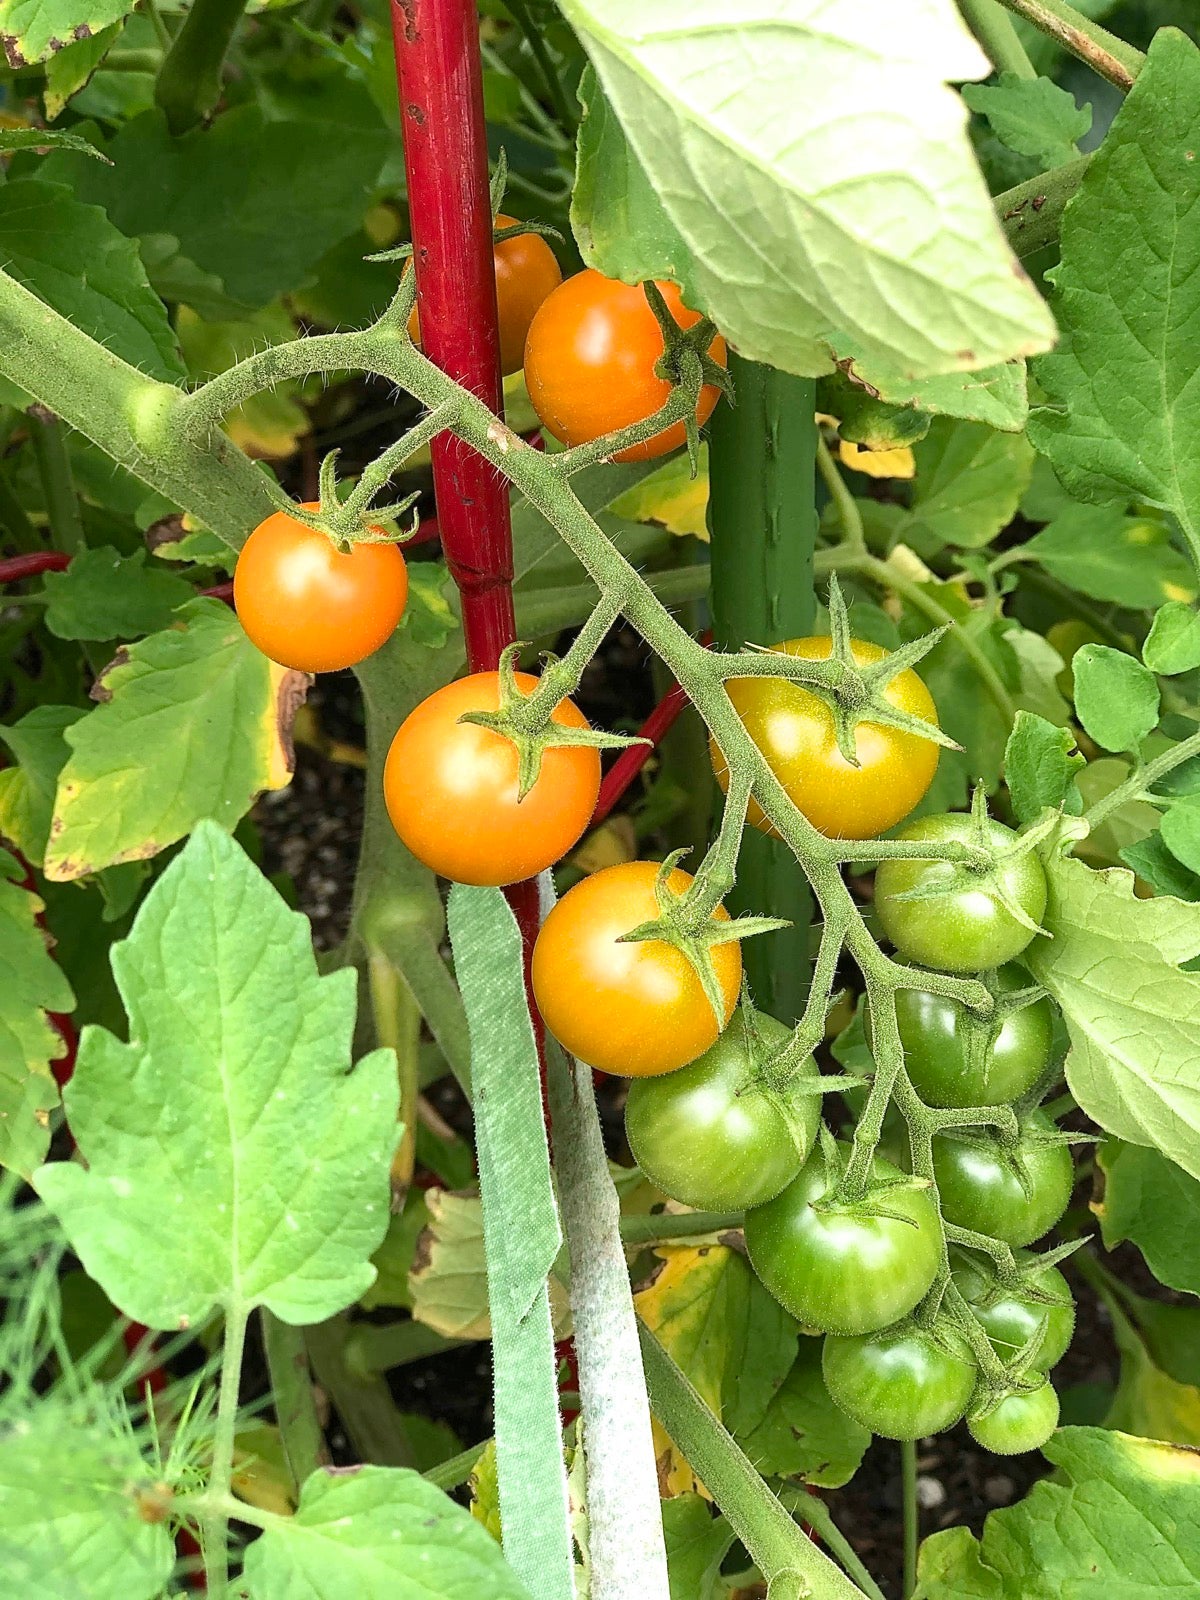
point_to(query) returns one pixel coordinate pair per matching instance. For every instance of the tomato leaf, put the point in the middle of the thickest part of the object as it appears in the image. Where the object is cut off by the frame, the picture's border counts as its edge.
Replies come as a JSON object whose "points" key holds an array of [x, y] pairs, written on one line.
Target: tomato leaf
{"points": [[1040, 762], [212, 712], [233, 1159], [105, 595], [1155, 1204], [34, 30], [378, 1533], [1173, 644], [1096, 1527], [1032, 116], [697, 1543], [1116, 697], [968, 485], [1123, 415], [1113, 967], [69, 69], [39, 745], [803, 1433], [1101, 552], [779, 210]]}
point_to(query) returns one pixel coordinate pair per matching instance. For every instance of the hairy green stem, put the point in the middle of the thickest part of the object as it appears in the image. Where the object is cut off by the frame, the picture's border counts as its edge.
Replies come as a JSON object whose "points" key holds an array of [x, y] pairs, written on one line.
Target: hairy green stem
{"points": [[1143, 778], [1107, 55], [809, 1507], [1031, 213], [189, 80], [663, 1227], [292, 1392], [215, 1528], [993, 27]]}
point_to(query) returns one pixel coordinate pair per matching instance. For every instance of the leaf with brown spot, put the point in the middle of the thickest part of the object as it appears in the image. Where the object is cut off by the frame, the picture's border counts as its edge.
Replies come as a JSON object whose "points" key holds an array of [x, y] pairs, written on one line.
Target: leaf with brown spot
{"points": [[35, 30]]}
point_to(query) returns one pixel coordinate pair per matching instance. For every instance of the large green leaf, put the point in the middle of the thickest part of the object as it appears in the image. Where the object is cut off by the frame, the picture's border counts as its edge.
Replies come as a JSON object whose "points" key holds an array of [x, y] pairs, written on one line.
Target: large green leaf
{"points": [[72, 256], [30, 985], [193, 722], [32, 30], [232, 1159], [378, 1533], [1120, 1519], [1123, 412], [40, 748], [72, 1517], [803, 1434], [105, 595], [1132, 1015], [1154, 1203], [1101, 552], [969, 481], [815, 235]]}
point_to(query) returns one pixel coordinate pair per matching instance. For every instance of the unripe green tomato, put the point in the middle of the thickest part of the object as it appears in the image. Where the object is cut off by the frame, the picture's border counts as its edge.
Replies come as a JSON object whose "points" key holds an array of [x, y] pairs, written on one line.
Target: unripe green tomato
{"points": [[901, 1383], [842, 1270], [946, 1047], [1011, 1317], [979, 1189], [967, 929], [710, 1137], [1019, 1423]]}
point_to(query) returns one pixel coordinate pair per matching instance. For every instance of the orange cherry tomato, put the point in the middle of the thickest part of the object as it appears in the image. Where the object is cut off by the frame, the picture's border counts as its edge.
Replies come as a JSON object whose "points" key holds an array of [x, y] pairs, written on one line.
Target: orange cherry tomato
{"points": [[794, 730], [636, 1010], [589, 362], [526, 272], [451, 788], [307, 604]]}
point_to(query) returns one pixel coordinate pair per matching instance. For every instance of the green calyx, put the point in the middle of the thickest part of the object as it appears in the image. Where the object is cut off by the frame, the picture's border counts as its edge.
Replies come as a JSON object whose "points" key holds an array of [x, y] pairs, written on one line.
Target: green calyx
{"points": [[878, 1197], [526, 720], [784, 1088], [686, 364]]}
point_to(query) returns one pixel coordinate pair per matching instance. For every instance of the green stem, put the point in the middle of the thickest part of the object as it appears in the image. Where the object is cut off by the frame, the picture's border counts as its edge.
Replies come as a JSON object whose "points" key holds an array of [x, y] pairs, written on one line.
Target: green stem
{"points": [[810, 1508], [763, 526], [189, 80], [215, 1527], [363, 1401], [295, 1404], [995, 32], [398, 1024], [373, 1347], [454, 1473], [1143, 778], [58, 485], [775, 1543], [1107, 55], [1031, 213], [156, 22], [21, 532], [912, 1519], [664, 1227], [532, 31], [854, 540]]}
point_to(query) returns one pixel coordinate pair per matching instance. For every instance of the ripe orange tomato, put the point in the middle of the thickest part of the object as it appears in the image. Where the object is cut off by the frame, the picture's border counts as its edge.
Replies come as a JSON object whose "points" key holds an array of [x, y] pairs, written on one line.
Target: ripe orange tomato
{"points": [[794, 730], [526, 272], [589, 362], [636, 1010], [307, 604], [451, 788]]}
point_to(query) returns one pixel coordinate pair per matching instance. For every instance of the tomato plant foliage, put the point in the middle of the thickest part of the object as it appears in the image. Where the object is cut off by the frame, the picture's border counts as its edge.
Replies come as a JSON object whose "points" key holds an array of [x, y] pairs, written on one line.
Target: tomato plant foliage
{"points": [[701, 1136]]}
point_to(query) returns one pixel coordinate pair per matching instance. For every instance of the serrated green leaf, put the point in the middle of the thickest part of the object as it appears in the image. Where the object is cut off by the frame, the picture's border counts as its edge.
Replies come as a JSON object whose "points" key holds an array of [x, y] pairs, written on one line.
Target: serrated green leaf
{"points": [[191, 725], [233, 1160], [68, 70], [1101, 552], [1155, 865], [968, 484], [1033, 116], [696, 1543], [780, 211], [30, 985], [803, 1434], [1123, 412], [34, 30], [1133, 1017], [429, 616], [1155, 1204], [1095, 1528], [1149, 1402], [1180, 830], [46, 139], [40, 750], [378, 1533], [1173, 644], [1040, 761], [105, 595], [71, 256], [1116, 697], [69, 1512]]}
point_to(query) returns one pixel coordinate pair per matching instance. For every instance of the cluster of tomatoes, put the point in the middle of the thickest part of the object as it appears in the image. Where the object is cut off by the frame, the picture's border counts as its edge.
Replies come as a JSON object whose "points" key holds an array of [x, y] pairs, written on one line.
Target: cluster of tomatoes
{"points": [[702, 1119]]}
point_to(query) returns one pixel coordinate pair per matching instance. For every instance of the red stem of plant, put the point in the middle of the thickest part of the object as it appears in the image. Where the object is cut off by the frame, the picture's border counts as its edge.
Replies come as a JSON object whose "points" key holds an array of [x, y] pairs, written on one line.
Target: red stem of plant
{"points": [[440, 77], [15, 568], [631, 761]]}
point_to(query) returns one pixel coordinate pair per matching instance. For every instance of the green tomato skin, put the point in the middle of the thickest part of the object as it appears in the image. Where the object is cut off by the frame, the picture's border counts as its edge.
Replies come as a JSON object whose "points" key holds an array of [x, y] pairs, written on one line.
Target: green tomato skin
{"points": [[1010, 1319], [709, 1138], [965, 931], [839, 1272], [900, 1383], [1019, 1423], [980, 1191], [945, 1046]]}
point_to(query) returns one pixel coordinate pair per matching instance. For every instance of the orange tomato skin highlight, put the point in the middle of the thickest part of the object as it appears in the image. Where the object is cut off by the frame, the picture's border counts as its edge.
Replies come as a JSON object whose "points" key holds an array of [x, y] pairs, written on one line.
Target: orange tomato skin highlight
{"points": [[526, 272], [310, 606], [451, 788], [635, 1010], [589, 362], [794, 730]]}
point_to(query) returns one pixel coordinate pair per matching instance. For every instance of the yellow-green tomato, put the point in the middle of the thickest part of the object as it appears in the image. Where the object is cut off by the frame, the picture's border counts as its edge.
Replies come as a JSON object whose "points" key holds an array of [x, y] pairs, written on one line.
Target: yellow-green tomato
{"points": [[711, 1136]]}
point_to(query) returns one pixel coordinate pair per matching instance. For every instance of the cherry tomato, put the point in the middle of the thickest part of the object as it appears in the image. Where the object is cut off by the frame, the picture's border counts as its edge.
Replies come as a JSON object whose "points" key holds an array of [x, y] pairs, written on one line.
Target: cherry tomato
{"points": [[902, 1383], [310, 606], [634, 1009], [589, 363], [526, 272], [451, 788], [947, 1050], [710, 1136], [841, 1271], [1019, 1423], [794, 730], [968, 929], [1014, 1198], [1010, 1317]]}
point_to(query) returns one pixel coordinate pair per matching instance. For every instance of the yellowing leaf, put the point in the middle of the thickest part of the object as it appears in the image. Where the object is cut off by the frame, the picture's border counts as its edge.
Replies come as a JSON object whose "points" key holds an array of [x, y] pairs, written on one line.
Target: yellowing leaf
{"points": [[610, 845], [670, 496], [485, 1491], [898, 463]]}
